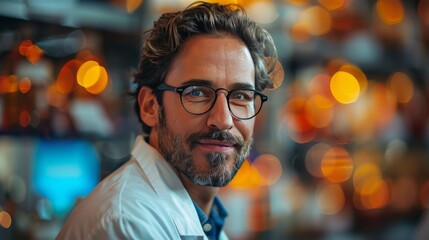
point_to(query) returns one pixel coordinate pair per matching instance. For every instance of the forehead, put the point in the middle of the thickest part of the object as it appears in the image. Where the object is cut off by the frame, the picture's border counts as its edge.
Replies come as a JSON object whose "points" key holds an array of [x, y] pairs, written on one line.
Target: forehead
{"points": [[223, 60]]}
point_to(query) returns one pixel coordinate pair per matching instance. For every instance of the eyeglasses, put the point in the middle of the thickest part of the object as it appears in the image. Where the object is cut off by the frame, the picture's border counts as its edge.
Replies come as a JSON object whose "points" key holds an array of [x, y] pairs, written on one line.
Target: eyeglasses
{"points": [[198, 99]]}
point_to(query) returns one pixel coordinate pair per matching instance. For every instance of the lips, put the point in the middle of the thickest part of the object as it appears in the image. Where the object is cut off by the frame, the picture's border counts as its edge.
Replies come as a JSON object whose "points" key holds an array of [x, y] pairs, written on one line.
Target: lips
{"points": [[216, 143]]}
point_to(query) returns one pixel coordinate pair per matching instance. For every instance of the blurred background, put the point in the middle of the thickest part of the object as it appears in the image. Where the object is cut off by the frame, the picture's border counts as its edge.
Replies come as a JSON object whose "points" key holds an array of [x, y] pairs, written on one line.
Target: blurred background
{"points": [[341, 148]]}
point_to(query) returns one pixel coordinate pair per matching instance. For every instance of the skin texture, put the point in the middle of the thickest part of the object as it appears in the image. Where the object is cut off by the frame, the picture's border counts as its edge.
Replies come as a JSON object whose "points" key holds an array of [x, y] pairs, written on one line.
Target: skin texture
{"points": [[205, 150]]}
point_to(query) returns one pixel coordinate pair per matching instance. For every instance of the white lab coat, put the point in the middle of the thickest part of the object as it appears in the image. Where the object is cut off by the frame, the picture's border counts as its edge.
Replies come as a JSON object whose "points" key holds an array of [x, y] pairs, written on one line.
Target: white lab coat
{"points": [[143, 199]]}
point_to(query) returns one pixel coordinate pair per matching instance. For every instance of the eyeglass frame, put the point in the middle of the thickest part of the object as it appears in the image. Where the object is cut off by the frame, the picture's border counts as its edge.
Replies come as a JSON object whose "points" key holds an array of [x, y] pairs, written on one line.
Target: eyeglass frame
{"points": [[181, 89]]}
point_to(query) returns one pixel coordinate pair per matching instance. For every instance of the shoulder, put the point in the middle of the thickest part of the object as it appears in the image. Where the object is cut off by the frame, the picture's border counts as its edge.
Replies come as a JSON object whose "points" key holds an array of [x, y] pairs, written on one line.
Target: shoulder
{"points": [[122, 206], [121, 226]]}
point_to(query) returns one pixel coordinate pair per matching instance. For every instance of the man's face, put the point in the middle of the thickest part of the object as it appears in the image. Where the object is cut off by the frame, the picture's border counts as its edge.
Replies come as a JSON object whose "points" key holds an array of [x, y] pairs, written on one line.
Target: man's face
{"points": [[208, 149]]}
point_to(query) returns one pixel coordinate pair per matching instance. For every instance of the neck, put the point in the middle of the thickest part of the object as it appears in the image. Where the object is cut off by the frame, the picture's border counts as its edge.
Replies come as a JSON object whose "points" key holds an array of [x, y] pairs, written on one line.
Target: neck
{"points": [[203, 196]]}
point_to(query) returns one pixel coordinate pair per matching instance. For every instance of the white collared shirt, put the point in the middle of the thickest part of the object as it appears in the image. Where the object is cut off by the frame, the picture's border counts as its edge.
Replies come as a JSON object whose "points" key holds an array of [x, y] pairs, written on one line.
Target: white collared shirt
{"points": [[143, 199]]}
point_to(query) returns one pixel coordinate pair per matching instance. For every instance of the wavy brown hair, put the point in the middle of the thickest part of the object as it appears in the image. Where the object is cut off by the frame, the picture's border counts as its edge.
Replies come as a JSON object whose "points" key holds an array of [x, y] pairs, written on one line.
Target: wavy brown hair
{"points": [[162, 43]]}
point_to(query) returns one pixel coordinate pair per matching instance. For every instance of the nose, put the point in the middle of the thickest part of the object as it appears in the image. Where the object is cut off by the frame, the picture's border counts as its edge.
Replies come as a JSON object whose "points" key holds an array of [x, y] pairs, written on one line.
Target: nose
{"points": [[220, 117]]}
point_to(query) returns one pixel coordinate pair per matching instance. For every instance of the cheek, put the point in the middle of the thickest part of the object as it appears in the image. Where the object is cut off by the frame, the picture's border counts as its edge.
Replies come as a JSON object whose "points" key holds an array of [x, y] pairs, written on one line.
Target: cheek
{"points": [[245, 128], [177, 120]]}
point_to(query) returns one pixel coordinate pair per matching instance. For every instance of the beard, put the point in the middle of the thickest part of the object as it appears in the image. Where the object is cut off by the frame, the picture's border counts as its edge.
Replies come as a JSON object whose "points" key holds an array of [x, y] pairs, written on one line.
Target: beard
{"points": [[178, 152]]}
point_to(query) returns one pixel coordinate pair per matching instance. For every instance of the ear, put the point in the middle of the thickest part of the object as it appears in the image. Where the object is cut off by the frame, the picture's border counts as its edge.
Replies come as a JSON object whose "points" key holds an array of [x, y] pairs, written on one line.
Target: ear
{"points": [[148, 107]]}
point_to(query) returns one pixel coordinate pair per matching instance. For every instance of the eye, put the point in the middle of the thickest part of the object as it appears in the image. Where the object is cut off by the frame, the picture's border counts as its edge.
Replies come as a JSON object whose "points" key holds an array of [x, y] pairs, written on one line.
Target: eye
{"points": [[198, 92], [242, 95]]}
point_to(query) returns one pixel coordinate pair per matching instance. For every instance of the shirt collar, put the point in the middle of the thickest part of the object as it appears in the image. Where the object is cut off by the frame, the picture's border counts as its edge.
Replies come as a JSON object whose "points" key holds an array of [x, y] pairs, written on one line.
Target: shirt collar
{"points": [[216, 218]]}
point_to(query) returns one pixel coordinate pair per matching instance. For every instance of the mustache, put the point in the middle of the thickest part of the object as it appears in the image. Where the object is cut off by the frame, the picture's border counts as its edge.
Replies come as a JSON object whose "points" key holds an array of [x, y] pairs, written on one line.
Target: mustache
{"points": [[223, 136]]}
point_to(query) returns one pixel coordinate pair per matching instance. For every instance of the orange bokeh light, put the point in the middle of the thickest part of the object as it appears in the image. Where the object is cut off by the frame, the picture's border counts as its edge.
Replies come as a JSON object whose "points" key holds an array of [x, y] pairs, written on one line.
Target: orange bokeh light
{"points": [[332, 4], [402, 87], [24, 119], [268, 167], [24, 85], [317, 20], [390, 11], [382, 103], [295, 115], [319, 111], [66, 80], [242, 176], [424, 195], [365, 176], [298, 2], [377, 197], [92, 77], [423, 11], [330, 198], [101, 84], [299, 33], [132, 5], [24, 46], [337, 165], [34, 54], [9, 84], [405, 194], [5, 219]]}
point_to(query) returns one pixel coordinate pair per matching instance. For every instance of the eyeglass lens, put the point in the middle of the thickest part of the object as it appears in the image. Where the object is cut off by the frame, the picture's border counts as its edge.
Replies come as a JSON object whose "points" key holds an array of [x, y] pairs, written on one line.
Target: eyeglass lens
{"points": [[200, 99]]}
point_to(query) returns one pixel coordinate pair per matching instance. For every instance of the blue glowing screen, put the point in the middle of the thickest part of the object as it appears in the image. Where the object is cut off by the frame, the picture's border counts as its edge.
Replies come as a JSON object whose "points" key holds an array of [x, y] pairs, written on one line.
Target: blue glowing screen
{"points": [[64, 171]]}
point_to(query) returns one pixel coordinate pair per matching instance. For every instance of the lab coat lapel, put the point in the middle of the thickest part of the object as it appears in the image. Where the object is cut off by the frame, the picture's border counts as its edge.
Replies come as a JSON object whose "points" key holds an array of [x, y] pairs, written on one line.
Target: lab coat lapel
{"points": [[170, 190]]}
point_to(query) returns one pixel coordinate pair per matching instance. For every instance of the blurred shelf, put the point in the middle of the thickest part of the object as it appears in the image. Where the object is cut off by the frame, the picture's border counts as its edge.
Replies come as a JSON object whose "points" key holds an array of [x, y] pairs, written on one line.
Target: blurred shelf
{"points": [[72, 13]]}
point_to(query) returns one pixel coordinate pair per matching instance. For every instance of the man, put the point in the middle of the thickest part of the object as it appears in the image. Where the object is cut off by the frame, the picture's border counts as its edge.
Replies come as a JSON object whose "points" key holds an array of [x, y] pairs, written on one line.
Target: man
{"points": [[199, 83]]}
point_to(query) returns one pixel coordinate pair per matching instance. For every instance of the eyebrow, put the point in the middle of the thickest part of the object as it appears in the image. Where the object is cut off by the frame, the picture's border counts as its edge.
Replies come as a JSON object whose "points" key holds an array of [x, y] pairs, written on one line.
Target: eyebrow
{"points": [[238, 85]]}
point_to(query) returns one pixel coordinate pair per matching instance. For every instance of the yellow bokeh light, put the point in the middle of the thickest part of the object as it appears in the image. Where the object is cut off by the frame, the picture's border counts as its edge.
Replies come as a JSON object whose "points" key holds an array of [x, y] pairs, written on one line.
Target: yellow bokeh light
{"points": [[332, 4], [402, 87], [317, 20], [101, 84], [344, 87], [91, 76], [390, 11], [265, 170], [337, 165], [358, 74], [83, 78], [330, 198], [365, 175], [240, 179], [5, 219]]}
